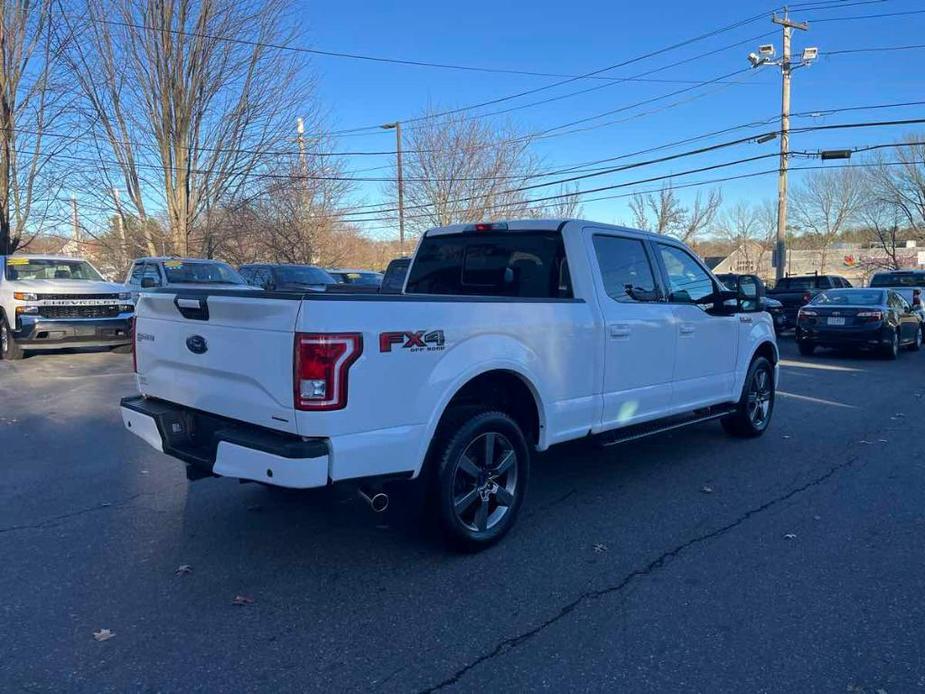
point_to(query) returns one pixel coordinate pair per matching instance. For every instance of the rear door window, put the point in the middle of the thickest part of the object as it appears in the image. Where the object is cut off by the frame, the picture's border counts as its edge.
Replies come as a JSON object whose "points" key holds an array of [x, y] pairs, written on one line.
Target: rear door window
{"points": [[625, 268], [503, 264]]}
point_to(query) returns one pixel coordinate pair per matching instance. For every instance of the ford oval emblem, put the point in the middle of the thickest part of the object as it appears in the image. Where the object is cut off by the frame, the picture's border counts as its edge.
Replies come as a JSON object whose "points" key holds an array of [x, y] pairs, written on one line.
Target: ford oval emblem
{"points": [[196, 344]]}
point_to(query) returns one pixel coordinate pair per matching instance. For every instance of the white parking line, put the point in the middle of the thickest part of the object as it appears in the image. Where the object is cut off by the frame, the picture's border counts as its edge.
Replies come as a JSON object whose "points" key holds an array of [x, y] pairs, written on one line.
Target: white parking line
{"points": [[818, 401], [821, 367]]}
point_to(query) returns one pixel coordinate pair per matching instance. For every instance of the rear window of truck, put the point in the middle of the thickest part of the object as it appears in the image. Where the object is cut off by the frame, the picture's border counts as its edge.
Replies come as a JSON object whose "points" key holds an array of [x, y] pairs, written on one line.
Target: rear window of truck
{"points": [[502, 264]]}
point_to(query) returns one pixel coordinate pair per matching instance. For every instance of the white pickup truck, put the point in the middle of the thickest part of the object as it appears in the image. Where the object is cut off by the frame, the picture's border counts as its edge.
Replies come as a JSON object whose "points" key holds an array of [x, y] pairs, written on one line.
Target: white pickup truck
{"points": [[509, 338], [50, 302]]}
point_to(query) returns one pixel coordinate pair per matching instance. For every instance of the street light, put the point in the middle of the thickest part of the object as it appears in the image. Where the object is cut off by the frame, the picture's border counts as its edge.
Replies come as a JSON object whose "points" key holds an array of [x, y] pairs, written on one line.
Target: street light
{"points": [[396, 126]]}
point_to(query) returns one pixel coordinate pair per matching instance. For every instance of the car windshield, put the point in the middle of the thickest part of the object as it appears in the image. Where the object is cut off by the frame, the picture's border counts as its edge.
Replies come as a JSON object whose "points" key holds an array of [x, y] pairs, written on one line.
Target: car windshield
{"points": [[898, 279], [49, 269], [303, 274], [849, 297], [200, 272]]}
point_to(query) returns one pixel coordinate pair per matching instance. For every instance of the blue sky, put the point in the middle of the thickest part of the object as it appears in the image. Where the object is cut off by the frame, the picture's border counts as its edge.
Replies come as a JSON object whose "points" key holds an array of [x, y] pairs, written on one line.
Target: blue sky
{"points": [[575, 38]]}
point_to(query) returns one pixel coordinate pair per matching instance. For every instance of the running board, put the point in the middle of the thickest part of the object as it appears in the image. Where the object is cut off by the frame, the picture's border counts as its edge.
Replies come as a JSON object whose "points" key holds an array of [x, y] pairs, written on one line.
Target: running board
{"points": [[659, 426]]}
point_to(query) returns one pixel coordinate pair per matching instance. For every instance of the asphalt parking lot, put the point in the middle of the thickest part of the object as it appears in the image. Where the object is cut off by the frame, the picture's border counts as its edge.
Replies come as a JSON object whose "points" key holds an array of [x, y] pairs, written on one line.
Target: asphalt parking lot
{"points": [[695, 562]]}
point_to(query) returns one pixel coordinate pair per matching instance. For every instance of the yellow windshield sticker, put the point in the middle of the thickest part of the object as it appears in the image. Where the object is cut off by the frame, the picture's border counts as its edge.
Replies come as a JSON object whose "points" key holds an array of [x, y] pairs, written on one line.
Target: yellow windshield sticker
{"points": [[17, 261], [173, 264]]}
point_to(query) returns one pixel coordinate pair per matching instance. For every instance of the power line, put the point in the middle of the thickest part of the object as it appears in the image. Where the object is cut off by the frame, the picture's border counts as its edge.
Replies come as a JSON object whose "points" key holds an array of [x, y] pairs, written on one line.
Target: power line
{"points": [[882, 49], [866, 16], [841, 126], [681, 186]]}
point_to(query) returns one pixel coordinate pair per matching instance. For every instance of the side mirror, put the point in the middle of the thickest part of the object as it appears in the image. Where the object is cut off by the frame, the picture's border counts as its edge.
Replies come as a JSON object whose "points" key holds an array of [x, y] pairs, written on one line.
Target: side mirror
{"points": [[148, 282], [750, 293]]}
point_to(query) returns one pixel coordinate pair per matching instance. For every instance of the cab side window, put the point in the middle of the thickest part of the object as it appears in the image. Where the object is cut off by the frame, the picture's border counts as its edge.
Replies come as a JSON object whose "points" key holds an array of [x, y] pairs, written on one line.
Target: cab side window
{"points": [[688, 282], [135, 277], [151, 271], [625, 269]]}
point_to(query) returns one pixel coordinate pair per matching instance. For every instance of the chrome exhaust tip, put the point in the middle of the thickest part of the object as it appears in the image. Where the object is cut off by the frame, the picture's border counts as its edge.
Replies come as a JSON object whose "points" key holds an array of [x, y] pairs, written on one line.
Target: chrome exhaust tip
{"points": [[378, 500]]}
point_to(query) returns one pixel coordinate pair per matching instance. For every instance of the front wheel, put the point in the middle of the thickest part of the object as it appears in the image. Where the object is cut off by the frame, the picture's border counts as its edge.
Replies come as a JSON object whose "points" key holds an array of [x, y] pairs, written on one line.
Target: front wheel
{"points": [[9, 349], [753, 413], [482, 469]]}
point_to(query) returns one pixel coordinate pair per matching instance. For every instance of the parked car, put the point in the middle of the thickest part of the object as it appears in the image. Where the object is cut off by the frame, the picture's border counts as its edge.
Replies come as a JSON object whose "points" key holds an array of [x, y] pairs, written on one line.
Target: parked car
{"points": [[509, 338], [365, 278], [281, 277], [797, 291], [898, 278], [183, 273], [877, 319], [772, 306], [394, 279], [50, 302]]}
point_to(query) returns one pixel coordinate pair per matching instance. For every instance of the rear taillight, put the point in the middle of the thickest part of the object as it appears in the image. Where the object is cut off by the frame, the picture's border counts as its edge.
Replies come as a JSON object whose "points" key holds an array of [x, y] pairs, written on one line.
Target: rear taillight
{"points": [[806, 313], [870, 316], [322, 361], [134, 346]]}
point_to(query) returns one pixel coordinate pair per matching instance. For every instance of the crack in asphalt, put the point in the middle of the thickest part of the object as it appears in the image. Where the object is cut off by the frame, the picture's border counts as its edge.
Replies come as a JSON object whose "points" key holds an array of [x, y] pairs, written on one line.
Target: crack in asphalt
{"points": [[513, 642], [55, 520]]}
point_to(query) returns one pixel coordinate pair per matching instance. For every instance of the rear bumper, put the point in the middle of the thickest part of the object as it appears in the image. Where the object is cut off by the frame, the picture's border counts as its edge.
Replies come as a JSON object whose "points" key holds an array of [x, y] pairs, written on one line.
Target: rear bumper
{"points": [[873, 336], [212, 445], [55, 333]]}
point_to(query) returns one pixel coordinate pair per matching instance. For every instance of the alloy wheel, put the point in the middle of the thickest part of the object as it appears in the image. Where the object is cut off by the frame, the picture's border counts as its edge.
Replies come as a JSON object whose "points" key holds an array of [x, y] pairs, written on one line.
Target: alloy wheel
{"points": [[758, 403], [4, 337], [485, 482]]}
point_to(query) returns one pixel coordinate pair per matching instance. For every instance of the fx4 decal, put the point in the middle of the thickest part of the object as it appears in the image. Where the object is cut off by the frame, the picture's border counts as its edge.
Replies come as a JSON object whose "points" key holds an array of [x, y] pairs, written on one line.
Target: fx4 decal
{"points": [[413, 341]]}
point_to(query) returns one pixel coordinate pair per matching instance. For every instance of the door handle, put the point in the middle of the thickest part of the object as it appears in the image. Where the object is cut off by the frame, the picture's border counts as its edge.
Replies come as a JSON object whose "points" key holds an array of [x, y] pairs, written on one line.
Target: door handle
{"points": [[687, 329], [620, 330]]}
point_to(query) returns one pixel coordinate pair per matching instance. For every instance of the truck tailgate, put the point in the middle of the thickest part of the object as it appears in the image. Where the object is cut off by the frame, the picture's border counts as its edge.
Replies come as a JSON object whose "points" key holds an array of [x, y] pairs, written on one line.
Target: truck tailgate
{"points": [[229, 354]]}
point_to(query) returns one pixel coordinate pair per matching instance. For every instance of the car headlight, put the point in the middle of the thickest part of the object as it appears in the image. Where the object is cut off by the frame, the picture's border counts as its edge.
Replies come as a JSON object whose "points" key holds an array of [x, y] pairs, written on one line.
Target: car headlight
{"points": [[125, 296], [25, 296]]}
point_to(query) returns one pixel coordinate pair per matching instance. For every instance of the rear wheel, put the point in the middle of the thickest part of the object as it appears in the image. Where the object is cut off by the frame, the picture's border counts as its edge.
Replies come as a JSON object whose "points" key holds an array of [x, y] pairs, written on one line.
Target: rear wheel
{"points": [[891, 350], [917, 340], [482, 468], [9, 349], [806, 348], [753, 413]]}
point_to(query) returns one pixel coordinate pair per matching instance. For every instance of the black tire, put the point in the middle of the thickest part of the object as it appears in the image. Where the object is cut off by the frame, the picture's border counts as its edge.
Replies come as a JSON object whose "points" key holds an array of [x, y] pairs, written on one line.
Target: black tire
{"points": [[891, 351], [8, 347], [122, 349], [753, 413], [807, 349], [481, 468], [917, 340]]}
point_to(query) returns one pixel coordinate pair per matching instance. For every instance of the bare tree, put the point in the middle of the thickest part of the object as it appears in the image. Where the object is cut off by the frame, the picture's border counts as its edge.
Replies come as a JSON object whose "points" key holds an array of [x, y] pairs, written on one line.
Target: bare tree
{"points": [[463, 170], [901, 186], [567, 204], [664, 213], [667, 212], [30, 103], [700, 216], [880, 222], [188, 98], [825, 203], [746, 228]]}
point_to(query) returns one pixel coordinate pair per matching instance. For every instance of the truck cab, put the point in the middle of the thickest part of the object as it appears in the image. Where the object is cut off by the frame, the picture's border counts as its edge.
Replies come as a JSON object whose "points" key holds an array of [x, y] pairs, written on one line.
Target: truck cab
{"points": [[51, 302]]}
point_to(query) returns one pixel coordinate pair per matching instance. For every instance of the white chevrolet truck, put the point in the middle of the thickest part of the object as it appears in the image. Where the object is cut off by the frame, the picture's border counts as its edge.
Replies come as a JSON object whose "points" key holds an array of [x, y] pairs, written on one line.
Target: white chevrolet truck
{"points": [[509, 338], [50, 302]]}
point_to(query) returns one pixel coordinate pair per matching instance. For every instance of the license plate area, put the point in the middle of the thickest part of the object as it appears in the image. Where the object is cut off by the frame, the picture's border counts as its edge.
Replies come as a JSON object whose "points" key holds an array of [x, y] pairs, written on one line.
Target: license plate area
{"points": [[836, 321]]}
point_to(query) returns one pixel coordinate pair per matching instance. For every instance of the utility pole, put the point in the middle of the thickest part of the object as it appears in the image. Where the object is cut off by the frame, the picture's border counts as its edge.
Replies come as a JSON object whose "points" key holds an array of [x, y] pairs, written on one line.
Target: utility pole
{"points": [[300, 138], [120, 228], [396, 126], [785, 69], [75, 223]]}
